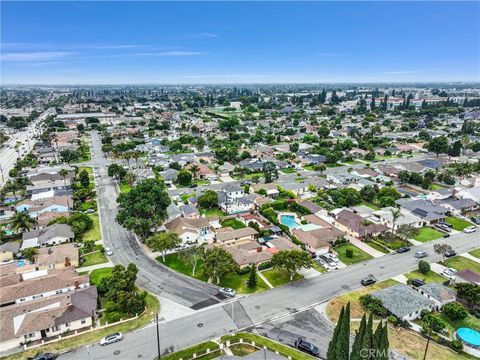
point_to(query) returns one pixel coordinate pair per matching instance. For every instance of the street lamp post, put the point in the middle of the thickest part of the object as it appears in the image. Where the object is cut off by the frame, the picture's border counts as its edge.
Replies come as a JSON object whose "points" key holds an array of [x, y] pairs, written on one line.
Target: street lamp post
{"points": [[158, 336]]}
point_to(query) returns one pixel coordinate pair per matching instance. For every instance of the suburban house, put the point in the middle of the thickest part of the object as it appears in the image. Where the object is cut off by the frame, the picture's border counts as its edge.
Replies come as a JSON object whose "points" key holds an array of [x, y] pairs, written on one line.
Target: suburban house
{"points": [[357, 226], [194, 230], [231, 199], [313, 242], [9, 250], [404, 302], [270, 188], [50, 235], [384, 216], [29, 286], [428, 212], [44, 318], [440, 294], [247, 253], [229, 236], [57, 257]]}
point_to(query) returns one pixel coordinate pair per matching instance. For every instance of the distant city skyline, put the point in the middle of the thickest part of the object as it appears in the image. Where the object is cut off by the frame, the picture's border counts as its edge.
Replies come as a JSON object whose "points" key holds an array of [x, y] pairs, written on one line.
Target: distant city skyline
{"points": [[239, 42]]}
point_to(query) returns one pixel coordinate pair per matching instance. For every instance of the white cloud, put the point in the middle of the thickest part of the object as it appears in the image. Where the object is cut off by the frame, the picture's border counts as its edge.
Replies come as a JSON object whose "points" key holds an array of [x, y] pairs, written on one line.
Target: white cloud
{"points": [[35, 56]]}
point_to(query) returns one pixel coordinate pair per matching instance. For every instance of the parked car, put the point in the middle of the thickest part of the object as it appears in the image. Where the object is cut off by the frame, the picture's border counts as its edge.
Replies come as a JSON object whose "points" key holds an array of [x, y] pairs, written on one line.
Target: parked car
{"points": [[417, 282], [475, 219], [443, 227], [193, 186], [469, 229], [449, 273], [112, 338], [330, 257], [227, 292], [368, 280], [403, 249], [46, 356], [420, 254], [330, 266], [108, 251], [307, 347], [446, 235], [449, 253]]}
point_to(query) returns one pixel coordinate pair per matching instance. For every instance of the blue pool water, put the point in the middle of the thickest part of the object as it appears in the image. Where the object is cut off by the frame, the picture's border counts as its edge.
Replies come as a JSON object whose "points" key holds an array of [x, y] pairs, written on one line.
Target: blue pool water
{"points": [[20, 263], [469, 336], [289, 220]]}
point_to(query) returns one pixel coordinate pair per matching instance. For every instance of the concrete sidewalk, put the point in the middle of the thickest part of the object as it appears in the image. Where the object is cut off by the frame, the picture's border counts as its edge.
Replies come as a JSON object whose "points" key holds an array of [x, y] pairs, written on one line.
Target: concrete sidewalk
{"points": [[471, 257], [109, 263], [362, 246]]}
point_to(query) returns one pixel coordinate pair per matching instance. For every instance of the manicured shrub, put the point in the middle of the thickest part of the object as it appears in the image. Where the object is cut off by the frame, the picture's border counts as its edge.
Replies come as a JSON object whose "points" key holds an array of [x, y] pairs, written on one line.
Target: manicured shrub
{"points": [[456, 345], [349, 253], [423, 267], [454, 311], [393, 320]]}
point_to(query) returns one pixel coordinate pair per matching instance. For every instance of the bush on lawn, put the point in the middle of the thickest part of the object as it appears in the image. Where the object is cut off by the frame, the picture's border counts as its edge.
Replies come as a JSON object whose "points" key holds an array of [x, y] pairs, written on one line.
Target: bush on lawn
{"points": [[265, 265], [340, 241], [374, 305], [349, 253], [423, 267], [393, 320], [456, 345], [454, 311]]}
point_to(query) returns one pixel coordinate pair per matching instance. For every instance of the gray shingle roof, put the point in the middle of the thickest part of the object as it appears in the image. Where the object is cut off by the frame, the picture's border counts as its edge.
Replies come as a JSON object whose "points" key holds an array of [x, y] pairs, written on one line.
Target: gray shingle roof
{"points": [[401, 300]]}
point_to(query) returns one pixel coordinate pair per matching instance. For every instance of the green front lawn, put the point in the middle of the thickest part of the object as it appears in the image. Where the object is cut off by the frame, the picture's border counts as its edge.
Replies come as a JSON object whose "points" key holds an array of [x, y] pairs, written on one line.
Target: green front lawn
{"points": [[233, 223], [87, 205], [234, 281], [377, 246], [196, 349], [288, 171], [429, 277], [185, 197], [358, 254], [427, 234], [475, 253], [88, 169], [94, 258], [458, 224], [97, 275], [461, 263], [124, 187], [94, 232], [278, 277]]}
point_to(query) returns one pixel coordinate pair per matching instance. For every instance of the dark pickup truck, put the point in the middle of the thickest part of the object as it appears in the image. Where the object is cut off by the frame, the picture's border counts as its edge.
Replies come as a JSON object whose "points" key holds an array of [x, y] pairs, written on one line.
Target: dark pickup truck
{"points": [[307, 347]]}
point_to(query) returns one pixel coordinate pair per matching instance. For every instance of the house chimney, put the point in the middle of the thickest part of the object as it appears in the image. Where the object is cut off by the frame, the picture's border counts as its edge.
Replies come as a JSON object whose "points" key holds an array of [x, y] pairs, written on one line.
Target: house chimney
{"points": [[67, 261], [49, 251], [20, 278], [77, 285], [70, 306]]}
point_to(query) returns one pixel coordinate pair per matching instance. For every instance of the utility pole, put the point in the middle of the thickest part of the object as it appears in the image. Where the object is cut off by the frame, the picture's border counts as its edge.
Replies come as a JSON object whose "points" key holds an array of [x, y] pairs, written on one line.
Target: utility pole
{"points": [[158, 339]]}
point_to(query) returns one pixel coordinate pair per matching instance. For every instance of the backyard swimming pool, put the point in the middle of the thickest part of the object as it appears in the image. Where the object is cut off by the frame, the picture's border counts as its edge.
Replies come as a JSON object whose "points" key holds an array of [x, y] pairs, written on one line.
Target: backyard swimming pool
{"points": [[289, 220], [469, 336]]}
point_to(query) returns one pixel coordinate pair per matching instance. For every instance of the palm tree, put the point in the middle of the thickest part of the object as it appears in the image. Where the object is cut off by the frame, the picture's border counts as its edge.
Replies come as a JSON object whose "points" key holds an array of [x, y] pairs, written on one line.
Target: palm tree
{"points": [[22, 221], [396, 214], [63, 173], [194, 169]]}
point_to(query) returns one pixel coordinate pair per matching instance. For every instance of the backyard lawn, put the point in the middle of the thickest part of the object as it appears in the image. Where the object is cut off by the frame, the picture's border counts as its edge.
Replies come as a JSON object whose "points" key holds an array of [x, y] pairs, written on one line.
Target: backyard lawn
{"points": [[124, 187], [470, 321], [461, 263], [94, 258], [212, 212], [475, 253], [358, 254], [429, 277], [427, 234], [356, 309], [278, 277], [185, 197], [94, 232], [233, 223], [458, 224]]}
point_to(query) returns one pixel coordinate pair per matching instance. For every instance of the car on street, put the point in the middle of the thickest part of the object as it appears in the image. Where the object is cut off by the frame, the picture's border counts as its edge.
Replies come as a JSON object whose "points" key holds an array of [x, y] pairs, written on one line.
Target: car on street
{"points": [[417, 282], [112, 338], [368, 280], [469, 229], [227, 292], [420, 254], [475, 219], [403, 249], [108, 251], [330, 266], [307, 347], [449, 253]]}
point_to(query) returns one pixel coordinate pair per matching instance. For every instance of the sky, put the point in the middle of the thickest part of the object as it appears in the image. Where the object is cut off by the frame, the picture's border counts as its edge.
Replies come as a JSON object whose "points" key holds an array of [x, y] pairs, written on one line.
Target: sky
{"points": [[238, 42]]}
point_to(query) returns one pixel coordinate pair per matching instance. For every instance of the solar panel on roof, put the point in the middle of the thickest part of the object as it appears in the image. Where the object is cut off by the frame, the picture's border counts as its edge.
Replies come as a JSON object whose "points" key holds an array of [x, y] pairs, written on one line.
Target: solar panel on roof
{"points": [[420, 212]]}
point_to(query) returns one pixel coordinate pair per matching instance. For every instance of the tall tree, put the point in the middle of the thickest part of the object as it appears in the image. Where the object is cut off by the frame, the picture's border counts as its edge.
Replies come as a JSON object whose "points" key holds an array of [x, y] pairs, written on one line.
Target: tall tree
{"points": [[252, 277], [218, 263], [367, 341], [143, 207], [192, 255], [291, 261], [163, 242], [396, 214], [357, 344], [332, 346], [343, 343], [441, 249], [438, 145], [22, 221]]}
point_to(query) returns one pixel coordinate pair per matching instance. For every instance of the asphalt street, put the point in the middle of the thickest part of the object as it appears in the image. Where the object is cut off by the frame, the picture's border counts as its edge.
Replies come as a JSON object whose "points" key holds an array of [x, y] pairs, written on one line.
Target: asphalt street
{"points": [[152, 276], [26, 139], [262, 309]]}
